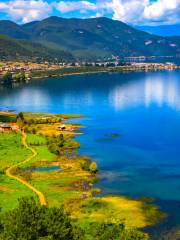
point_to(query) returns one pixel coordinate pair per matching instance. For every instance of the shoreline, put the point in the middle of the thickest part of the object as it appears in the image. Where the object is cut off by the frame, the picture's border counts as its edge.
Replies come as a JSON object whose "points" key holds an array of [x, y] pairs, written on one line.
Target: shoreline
{"points": [[30, 75], [111, 70], [73, 184]]}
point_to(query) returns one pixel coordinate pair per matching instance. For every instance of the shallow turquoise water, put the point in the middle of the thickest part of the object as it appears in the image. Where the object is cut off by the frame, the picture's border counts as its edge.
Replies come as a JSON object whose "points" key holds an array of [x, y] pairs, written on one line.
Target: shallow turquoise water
{"points": [[46, 169], [144, 108]]}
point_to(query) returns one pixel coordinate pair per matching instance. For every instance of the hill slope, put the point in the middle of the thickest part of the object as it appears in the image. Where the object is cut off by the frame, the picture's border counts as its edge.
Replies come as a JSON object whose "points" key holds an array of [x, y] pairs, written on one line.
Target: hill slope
{"points": [[17, 49], [92, 38]]}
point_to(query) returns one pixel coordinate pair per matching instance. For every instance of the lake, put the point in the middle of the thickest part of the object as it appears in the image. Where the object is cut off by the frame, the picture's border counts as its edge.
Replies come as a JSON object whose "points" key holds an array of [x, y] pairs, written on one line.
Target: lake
{"points": [[132, 130]]}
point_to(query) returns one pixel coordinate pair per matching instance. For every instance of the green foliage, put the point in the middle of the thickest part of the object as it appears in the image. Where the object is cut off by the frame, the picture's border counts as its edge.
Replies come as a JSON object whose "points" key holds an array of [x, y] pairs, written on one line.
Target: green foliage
{"points": [[11, 150], [6, 78], [93, 167], [11, 48], [30, 221], [67, 71], [19, 76], [30, 129], [89, 165], [105, 231], [133, 234], [85, 38], [61, 145], [102, 231], [86, 164], [94, 205], [36, 140], [10, 117], [20, 119], [21, 116]]}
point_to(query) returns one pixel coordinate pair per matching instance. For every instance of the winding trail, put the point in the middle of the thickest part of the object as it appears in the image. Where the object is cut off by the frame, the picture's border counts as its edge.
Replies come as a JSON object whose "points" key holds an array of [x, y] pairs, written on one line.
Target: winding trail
{"points": [[9, 173]]}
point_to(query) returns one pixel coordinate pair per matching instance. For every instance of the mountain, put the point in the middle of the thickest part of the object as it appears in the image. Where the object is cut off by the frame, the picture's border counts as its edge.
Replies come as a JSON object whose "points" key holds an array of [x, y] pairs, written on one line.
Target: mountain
{"points": [[164, 30], [92, 38], [14, 49], [13, 30]]}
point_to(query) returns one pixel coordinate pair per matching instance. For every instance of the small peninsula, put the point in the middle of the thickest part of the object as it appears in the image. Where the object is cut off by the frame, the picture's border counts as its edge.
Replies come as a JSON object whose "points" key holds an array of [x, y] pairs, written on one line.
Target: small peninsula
{"points": [[39, 159]]}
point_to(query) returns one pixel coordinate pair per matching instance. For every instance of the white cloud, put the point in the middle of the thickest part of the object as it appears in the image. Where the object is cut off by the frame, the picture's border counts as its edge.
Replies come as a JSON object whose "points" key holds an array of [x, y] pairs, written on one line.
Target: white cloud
{"points": [[167, 11], [68, 6], [142, 12], [26, 11], [146, 11], [130, 11]]}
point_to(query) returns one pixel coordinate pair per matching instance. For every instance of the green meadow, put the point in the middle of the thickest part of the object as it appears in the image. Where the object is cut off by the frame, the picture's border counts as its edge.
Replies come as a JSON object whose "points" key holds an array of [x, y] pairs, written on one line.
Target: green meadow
{"points": [[70, 186]]}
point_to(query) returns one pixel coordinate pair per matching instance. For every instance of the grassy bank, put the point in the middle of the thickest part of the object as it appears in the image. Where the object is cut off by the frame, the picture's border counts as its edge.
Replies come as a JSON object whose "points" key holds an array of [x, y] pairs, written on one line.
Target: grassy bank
{"points": [[70, 186]]}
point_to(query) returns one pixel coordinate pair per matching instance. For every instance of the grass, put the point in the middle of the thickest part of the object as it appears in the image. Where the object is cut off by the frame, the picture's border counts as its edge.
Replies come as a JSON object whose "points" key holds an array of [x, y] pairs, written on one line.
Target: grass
{"points": [[114, 209], [7, 116], [11, 150], [62, 184], [70, 186], [10, 192], [30, 115], [34, 139]]}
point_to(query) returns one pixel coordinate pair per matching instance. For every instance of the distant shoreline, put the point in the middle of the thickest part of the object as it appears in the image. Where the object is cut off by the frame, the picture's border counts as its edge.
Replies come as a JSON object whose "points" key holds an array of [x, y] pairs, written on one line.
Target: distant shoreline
{"points": [[108, 70], [23, 74]]}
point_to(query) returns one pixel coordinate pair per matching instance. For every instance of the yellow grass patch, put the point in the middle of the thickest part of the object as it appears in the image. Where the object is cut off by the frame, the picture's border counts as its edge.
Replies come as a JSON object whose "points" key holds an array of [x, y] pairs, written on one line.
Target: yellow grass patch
{"points": [[6, 189], [129, 210], [52, 129], [113, 209]]}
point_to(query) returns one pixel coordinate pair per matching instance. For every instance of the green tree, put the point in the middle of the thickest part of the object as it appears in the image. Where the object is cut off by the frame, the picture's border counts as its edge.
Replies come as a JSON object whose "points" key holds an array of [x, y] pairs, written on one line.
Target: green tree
{"points": [[93, 167], [20, 118], [7, 78], [30, 221], [133, 234], [19, 77], [103, 231]]}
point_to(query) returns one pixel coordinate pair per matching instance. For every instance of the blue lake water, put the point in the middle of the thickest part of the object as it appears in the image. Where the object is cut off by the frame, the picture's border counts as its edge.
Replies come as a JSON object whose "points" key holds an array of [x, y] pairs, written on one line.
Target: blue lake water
{"points": [[144, 108]]}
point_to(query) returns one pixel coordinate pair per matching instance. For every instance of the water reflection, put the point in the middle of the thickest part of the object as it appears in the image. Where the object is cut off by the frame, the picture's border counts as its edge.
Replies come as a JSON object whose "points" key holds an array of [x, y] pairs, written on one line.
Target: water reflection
{"points": [[152, 90]]}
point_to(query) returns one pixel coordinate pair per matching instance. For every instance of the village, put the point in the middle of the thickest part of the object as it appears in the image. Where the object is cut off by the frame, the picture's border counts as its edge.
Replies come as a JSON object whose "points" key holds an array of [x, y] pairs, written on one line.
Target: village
{"points": [[19, 71], [6, 127], [14, 126]]}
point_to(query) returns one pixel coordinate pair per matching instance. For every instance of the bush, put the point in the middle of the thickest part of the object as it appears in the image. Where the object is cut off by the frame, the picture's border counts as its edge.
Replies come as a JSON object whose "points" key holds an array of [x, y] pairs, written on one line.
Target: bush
{"points": [[102, 231], [30, 221], [133, 234], [93, 167], [61, 146], [88, 165], [105, 231]]}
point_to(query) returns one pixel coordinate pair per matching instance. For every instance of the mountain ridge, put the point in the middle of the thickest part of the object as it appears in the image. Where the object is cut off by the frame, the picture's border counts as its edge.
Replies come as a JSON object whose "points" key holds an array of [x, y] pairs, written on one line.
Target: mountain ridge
{"points": [[92, 38]]}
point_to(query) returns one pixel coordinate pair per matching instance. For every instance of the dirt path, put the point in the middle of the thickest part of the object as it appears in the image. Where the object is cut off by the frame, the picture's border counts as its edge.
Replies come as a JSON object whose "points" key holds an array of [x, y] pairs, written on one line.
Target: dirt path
{"points": [[9, 173]]}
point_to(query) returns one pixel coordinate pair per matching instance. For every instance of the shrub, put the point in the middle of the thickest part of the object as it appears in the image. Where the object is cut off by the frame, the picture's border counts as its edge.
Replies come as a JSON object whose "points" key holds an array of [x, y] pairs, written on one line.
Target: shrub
{"points": [[30, 221], [93, 167], [88, 165]]}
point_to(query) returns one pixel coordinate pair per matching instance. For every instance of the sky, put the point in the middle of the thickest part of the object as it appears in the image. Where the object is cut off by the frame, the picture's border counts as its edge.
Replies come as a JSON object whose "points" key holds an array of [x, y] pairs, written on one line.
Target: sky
{"points": [[134, 12]]}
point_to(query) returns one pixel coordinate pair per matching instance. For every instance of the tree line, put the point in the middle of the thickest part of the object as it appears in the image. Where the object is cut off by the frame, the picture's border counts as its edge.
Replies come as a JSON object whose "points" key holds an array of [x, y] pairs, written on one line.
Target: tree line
{"points": [[9, 78], [31, 221]]}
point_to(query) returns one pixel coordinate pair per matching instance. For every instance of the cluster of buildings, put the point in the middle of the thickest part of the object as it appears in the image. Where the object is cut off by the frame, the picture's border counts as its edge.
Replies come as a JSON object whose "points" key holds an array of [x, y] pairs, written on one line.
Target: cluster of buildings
{"points": [[6, 127], [159, 66], [10, 66], [28, 67]]}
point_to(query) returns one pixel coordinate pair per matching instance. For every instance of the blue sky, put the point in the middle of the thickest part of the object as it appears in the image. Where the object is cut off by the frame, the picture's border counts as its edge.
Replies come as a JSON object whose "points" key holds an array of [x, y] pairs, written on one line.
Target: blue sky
{"points": [[134, 12]]}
